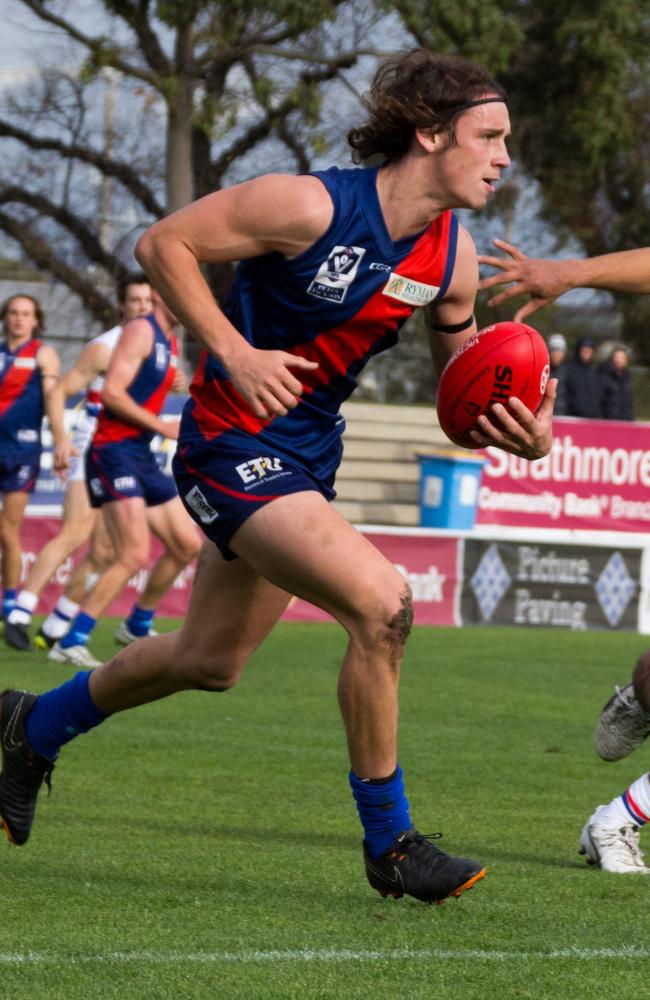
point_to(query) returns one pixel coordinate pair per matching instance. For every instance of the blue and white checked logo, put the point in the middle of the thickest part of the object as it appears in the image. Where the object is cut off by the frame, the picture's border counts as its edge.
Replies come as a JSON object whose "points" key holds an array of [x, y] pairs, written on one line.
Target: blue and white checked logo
{"points": [[615, 588], [490, 582]]}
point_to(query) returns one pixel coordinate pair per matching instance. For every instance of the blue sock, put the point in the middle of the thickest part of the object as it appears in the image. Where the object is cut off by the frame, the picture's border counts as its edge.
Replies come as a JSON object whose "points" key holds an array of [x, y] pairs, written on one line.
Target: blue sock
{"points": [[383, 810], [8, 600], [61, 714], [79, 631], [140, 619]]}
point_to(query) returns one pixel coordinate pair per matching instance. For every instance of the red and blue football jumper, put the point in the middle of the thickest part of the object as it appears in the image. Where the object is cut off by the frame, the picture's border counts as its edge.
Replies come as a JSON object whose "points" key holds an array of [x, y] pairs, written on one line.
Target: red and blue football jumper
{"points": [[21, 416], [339, 303], [119, 462]]}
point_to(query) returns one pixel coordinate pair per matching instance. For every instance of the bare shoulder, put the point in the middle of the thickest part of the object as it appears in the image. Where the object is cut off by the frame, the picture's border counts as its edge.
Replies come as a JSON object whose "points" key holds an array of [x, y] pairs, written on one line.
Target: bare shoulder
{"points": [[291, 212], [47, 359], [136, 336]]}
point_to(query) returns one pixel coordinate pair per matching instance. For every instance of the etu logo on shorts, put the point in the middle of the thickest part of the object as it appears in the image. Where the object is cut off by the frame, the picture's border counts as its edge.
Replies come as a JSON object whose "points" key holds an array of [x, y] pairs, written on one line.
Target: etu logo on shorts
{"points": [[336, 274], [124, 482], [258, 468]]}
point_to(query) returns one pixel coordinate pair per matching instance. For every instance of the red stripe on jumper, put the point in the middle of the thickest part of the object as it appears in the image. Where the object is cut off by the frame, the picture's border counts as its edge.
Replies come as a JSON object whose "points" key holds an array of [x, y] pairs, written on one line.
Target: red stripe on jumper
{"points": [[16, 379], [220, 407]]}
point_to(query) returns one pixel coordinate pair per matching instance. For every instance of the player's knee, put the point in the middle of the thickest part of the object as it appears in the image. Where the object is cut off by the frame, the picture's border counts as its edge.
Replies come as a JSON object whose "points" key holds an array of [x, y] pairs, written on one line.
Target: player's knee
{"points": [[135, 557], [388, 621], [102, 556], [641, 681], [188, 547], [210, 671]]}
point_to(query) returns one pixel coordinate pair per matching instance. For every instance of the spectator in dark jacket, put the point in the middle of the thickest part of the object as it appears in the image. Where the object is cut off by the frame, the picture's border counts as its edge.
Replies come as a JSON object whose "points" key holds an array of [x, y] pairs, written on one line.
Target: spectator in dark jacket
{"points": [[557, 357], [617, 402], [583, 382]]}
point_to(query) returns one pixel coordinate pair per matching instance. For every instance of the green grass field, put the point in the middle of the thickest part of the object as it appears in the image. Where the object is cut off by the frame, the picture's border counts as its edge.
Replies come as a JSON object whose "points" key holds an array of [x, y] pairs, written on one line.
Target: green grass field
{"points": [[207, 846]]}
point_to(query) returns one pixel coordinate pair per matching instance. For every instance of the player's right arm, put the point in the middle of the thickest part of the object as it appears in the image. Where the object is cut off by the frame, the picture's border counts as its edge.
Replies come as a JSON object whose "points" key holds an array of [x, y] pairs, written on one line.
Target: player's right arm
{"points": [[272, 213], [545, 280]]}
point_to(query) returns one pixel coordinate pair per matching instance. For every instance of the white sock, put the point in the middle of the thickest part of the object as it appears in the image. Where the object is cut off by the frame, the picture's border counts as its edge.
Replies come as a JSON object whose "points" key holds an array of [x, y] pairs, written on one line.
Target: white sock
{"points": [[633, 806], [66, 607], [23, 609], [58, 621]]}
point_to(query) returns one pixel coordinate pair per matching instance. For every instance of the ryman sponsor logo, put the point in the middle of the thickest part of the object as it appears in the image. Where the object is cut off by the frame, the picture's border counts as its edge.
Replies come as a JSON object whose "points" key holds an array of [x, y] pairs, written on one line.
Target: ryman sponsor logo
{"points": [[415, 293], [195, 499]]}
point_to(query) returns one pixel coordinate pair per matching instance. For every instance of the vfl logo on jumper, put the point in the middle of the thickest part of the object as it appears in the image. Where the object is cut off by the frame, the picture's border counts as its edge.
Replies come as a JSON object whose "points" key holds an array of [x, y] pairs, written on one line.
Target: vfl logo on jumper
{"points": [[258, 468], [415, 293], [205, 513], [161, 357], [336, 274]]}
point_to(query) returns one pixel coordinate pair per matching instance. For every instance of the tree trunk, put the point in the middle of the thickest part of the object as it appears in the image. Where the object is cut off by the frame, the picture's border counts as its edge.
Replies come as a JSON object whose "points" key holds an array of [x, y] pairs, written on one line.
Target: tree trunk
{"points": [[178, 174]]}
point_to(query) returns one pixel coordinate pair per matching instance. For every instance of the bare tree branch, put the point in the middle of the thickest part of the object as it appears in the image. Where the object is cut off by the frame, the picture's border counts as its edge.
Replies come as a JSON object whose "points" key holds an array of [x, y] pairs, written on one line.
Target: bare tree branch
{"points": [[42, 256], [110, 168], [85, 237], [98, 46], [275, 117]]}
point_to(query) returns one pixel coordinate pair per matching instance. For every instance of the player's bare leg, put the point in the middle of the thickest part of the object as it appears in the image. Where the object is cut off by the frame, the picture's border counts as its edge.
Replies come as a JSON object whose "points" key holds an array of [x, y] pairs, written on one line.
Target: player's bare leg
{"points": [[78, 521], [11, 516]]}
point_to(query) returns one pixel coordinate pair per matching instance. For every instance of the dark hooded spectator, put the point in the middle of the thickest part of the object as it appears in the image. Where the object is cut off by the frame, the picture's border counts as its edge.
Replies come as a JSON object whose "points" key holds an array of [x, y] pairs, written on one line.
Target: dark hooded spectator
{"points": [[557, 356], [583, 382], [617, 402]]}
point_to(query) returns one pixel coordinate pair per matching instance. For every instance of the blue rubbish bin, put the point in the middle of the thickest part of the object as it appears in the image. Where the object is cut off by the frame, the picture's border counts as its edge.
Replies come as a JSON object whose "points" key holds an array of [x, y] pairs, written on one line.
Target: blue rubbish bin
{"points": [[449, 484]]}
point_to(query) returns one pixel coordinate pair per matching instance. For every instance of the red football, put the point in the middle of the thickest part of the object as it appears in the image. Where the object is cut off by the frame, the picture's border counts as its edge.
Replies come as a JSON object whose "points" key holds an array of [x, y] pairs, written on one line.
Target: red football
{"points": [[503, 360]]}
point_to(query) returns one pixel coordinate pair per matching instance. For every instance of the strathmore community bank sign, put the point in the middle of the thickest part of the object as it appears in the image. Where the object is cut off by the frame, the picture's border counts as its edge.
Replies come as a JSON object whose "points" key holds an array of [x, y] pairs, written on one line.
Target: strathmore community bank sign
{"points": [[597, 477]]}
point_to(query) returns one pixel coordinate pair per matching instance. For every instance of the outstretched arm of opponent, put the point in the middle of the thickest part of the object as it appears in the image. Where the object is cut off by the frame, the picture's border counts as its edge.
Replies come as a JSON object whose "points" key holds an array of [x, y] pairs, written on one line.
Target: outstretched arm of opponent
{"points": [[272, 213], [518, 430], [545, 280]]}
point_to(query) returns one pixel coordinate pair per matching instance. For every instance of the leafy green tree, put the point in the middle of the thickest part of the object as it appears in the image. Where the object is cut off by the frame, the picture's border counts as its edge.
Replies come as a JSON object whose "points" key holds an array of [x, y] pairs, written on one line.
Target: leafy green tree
{"points": [[579, 94]]}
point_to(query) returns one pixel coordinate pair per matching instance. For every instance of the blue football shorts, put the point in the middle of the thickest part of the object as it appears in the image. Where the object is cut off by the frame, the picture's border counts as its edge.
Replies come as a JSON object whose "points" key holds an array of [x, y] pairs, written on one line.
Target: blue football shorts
{"points": [[119, 471], [18, 473], [222, 482]]}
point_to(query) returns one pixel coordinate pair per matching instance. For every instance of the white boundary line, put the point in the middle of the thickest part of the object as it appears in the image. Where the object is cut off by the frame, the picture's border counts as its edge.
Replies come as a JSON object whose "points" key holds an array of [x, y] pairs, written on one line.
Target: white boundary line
{"points": [[322, 955]]}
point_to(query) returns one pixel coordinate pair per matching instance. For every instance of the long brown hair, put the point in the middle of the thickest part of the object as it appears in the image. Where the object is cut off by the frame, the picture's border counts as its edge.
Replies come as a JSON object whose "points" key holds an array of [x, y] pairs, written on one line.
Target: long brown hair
{"points": [[417, 90], [38, 310]]}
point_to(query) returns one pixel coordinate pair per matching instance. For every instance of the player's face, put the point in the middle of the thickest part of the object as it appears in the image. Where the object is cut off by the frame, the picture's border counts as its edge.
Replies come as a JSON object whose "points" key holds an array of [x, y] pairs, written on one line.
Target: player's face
{"points": [[137, 301], [468, 170], [21, 320]]}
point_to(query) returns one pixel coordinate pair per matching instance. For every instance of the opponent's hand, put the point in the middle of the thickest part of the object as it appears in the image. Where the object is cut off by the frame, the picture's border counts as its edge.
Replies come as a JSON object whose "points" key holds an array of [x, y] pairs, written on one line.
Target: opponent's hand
{"points": [[523, 433], [266, 380], [543, 280]]}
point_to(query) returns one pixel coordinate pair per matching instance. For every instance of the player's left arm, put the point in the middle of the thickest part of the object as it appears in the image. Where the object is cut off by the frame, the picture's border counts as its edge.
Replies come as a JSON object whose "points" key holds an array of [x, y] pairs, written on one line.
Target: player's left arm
{"points": [[50, 368], [130, 351], [517, 430], [450, 321]]}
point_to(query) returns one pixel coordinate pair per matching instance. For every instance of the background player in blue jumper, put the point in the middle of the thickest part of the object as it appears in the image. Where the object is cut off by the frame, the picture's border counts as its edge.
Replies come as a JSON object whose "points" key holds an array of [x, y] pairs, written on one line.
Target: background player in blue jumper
{"points": [[124, 480], [332, 264], [80, 521], [29, 371]]}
